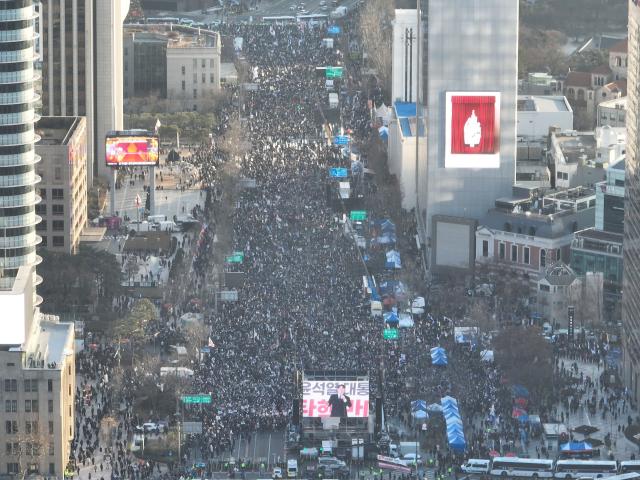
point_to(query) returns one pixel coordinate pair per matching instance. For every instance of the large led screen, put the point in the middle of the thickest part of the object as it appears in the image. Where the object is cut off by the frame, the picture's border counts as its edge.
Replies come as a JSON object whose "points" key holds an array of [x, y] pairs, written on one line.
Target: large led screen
{"points": [[132, 150], [472, 130], [335, 398]]}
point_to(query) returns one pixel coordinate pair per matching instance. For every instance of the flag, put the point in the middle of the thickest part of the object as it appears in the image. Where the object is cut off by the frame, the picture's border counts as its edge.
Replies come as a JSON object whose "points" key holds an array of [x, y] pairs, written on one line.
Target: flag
{"points": [[211, 344], [158, 124]]}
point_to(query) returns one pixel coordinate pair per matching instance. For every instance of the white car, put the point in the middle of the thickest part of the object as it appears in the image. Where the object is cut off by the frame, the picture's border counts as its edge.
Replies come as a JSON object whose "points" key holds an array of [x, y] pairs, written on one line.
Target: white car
{"points": [[277, 473], [331, 462]]}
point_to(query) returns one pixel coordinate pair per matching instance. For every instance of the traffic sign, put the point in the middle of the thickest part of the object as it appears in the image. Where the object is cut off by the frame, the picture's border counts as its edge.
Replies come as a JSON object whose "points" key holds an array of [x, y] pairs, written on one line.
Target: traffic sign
{"points": [[235, 257], [202, 398], [390, 334], [341, 140], [358, 215], [338, 172], [333, 72]]}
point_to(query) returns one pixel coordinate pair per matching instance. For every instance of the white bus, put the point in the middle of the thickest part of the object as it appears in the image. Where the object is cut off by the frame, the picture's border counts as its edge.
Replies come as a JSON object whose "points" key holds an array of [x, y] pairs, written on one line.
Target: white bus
{"points": [[522, 467], [162, 20], [281, 20], [629, 466], [586, 468]]}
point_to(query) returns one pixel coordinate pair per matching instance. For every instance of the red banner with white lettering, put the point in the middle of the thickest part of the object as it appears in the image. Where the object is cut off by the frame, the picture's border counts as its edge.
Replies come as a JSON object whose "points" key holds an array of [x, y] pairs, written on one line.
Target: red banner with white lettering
{"points": [[473, 121]]}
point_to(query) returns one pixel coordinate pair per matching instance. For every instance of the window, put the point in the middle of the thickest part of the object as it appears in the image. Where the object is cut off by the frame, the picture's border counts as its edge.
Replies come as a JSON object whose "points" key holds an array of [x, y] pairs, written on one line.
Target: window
{"points": [[52, 469], [27, 406], [501, 251], [184, 70], [543, 258], [41, 209], [57, 193], [212, 79], [57, 209], [195, 78], [57, 173], [204, 78], [11, 426], [10, 385], [52, 449], [31, 385], [211, 64], [204, 63], [485, 248], [195, 93], [12, 468], [58, 241], [8, 448], [514, 253], [58, 225], [183, 86], [49, 385], [526, 255], [31, 406], [50, 427], [31, 427], [42, 226], [195, 63], [544, 288], [50, 406]]}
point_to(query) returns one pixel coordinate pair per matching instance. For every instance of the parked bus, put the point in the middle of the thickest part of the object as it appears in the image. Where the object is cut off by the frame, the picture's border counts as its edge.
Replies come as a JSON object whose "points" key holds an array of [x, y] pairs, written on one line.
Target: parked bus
{"points": [[522, 467], [629, 466], [282, 20], [292, 468], [586, 468]]}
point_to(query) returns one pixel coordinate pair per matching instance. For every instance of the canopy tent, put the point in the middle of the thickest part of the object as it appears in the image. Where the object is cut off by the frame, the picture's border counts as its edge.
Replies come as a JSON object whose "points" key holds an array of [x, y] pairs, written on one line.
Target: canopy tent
{"points": [[439, 361], [457, 443], [437, 350], [405, 321], [575, 447], [486, 356], [383, 132], [393, 260], [455, 430], [390, 317], [434, 407], [520, 391], [419, 409], [448, 401]]}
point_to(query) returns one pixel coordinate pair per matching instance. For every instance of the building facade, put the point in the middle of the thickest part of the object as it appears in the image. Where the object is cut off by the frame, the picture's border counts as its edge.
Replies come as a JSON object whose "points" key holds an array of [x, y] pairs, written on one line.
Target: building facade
{"points": [[108, 81], [405, 61], [536, 114], [631, 242], [37, 366], [613, 113], [67, 63], [63, 188], [193, 70], [145, 64], [471, 63]]}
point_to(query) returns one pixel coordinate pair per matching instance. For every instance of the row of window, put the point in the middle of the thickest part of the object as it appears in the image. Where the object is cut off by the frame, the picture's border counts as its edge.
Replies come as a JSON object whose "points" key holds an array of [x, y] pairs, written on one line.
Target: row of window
{"points": [[203, 63], [11, 406], [13, 468], [30, 385], [56, 193], [41, 209], [525, 258], [31, 448], [56, 241], [30, 427], [195, 81]]}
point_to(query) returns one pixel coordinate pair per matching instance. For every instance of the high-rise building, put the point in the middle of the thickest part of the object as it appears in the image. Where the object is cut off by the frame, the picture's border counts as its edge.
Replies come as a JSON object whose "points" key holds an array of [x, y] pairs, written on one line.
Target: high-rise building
{"points": [[37, 363], [405, 64], [108, 69], [82, 67], [471, 63], [67, 64], [631, 240]]}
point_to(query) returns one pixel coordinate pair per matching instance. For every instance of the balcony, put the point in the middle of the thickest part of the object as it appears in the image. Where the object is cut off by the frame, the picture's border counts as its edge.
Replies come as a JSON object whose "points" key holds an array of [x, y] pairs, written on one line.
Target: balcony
{"points": [[17, 35], [18, 138], [26, 75], [24, 55], [20, 241], [28, 158], [19, 180], [15, 262], [18, 97], [28, 116], [19, 200], [26, 13]]}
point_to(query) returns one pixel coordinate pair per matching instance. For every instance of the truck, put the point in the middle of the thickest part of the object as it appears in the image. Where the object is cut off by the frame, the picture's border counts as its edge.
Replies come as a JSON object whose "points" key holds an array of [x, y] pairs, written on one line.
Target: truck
{"points": [[339, 12], [409, 447], [292, 468], [333, 100]]}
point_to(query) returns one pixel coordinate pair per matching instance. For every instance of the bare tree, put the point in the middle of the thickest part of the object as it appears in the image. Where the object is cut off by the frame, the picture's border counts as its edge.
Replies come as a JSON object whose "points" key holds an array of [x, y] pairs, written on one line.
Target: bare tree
{"points": [[376, 32]]}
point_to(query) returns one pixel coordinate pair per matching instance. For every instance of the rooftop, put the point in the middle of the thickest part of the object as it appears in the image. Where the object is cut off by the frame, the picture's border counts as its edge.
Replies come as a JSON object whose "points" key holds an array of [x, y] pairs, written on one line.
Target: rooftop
{"points": [[620, 47], [578, 79], [576, 146], [56, 130], [405, 109], [615, 103], [193, 41], [600, 235], [533, 103]]}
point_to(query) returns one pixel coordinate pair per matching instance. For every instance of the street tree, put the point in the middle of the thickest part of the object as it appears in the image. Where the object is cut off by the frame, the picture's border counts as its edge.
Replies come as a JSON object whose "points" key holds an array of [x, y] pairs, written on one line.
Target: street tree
{"points": [[375, 28], [525, 358]]}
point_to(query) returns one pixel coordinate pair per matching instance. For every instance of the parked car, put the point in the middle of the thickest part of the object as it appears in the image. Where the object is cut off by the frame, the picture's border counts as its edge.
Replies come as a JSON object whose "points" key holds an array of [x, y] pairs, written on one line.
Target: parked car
{"points": [[409, 459]]}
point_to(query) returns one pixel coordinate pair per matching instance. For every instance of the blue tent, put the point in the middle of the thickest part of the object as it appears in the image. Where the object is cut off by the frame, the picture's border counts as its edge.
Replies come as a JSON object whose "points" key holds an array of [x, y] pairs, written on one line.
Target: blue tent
{"points": [[391, 317], [434, 407], [448, 401], [383, 132], [393, 260], [452, 414], [575, 447], [437, 350], [439, 361], [457, 443]]}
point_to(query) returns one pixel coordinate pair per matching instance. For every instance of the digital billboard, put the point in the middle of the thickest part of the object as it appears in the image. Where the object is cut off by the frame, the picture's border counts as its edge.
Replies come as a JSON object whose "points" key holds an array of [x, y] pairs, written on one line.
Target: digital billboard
{"points": [[128, 150], [472, 130], [335, 398]]}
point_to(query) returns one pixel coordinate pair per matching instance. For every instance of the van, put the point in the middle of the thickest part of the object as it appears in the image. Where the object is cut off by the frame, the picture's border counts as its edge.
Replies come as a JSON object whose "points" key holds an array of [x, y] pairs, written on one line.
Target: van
{"points": [[476, 465], [292, 468], [167, 226]]}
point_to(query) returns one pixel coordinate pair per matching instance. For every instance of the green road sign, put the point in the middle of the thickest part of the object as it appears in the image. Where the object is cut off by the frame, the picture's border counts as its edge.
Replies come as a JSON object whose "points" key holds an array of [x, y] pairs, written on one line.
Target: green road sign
{"points": [[202, 398], [333, 72], [358, 215], [390, 334], [235, 257]]}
